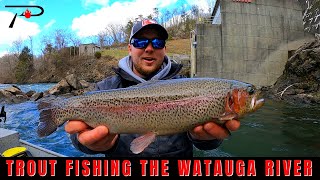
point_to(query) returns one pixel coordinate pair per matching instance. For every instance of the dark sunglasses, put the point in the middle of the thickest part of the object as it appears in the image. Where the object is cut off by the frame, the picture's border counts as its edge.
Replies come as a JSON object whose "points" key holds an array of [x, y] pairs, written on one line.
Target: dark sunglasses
{"points": [[141, 43]]}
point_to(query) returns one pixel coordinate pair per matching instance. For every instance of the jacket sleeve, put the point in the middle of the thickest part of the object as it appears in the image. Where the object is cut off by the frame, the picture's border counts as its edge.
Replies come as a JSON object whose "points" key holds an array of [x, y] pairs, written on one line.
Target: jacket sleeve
{"points": [[205, 144]]}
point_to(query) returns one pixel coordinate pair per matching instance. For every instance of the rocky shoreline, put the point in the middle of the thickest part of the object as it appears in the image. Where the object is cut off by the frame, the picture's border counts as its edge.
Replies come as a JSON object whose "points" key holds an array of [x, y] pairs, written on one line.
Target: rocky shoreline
{"points": [[67, 87], [300, 81]]}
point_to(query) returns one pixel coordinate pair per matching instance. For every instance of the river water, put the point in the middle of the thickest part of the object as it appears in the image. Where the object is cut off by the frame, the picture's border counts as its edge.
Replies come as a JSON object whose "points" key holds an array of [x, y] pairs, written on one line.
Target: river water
{"points": [[276, 130]]}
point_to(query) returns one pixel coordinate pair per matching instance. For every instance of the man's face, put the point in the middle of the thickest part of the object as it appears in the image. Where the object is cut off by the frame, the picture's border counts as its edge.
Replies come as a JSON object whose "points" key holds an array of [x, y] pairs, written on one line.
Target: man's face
{"points": [[146, 61]]}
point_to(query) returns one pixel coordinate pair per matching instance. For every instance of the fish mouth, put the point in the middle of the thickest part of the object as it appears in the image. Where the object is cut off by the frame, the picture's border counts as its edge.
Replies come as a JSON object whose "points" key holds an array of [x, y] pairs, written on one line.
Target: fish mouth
{"points": [[256, 103]]}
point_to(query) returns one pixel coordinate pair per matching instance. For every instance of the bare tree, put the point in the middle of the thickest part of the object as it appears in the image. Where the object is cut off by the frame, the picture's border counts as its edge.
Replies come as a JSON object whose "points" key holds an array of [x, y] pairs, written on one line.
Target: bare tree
{"points": [[74, 42], [31, 44], [17, 47], [7, 65], [47, 46], [156, 13], [101, 37], [60, 39], [116, 32]]}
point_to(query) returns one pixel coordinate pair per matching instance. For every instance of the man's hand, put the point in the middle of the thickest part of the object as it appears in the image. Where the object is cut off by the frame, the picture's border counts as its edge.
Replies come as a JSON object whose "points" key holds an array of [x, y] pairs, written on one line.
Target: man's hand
{"points": [[211, 130], [97, 139]]}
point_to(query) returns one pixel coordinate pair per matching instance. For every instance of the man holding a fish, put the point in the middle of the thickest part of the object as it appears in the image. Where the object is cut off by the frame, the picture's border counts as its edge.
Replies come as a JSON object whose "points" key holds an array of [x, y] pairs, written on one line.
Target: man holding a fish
{"points": [[147, 61]]}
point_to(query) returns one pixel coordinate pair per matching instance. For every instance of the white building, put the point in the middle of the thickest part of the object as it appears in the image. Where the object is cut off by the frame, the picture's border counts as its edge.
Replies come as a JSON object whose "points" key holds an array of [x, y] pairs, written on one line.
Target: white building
{"points": [[88, 49]]}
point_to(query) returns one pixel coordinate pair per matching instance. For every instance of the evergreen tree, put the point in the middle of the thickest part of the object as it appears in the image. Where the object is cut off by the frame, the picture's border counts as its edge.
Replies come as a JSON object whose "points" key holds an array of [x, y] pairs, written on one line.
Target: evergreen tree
{"points": [[128, 28], [24, 68]]}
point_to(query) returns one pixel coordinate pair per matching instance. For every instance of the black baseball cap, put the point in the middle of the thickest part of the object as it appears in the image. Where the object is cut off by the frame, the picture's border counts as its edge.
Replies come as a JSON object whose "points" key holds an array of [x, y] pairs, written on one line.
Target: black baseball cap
{"points": [[148, 23]]}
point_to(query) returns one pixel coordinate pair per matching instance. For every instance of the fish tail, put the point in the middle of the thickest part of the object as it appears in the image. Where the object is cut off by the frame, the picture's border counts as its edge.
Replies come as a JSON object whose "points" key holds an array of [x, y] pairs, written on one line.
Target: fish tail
{"points": [[46, 125]]}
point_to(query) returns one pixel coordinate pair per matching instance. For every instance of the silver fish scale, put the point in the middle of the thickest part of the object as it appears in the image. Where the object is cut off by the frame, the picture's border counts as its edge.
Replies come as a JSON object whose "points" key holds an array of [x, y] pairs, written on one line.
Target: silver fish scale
{"points": [[163, 107]]}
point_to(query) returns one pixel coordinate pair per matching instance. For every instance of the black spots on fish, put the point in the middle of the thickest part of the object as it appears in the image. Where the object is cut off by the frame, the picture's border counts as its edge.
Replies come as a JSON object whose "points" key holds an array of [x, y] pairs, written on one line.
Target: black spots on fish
{"points": [[201, 110], [176, 116], [116, 102], [92, 114], [220, 105], [179, 113]]}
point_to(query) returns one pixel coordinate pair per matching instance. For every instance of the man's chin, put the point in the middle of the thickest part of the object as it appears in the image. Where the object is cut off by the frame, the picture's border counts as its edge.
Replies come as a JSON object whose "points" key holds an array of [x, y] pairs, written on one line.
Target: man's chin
{"points": [[148, 73]]}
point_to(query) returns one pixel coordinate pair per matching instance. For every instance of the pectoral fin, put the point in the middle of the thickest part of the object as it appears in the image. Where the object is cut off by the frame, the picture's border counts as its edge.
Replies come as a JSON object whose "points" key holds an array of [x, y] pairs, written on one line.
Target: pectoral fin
{"points": [[141, 142]]}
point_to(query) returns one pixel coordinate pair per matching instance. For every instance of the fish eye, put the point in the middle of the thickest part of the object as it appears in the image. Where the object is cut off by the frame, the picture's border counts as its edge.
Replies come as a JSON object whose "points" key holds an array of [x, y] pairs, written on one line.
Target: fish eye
{"points": [[250, 90]]}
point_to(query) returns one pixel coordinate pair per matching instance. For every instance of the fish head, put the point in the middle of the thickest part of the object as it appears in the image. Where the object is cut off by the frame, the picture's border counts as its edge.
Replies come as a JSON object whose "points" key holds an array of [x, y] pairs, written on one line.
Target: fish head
{"points": [[244, 100]]}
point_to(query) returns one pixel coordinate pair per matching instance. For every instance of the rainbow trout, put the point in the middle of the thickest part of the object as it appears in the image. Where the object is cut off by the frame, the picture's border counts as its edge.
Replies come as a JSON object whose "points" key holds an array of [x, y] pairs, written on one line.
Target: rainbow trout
{"points": [[160, 107]]}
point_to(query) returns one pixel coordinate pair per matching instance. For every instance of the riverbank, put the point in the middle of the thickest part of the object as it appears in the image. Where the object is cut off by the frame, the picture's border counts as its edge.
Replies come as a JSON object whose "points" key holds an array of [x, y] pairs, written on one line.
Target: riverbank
{"points": [[300, 81]]}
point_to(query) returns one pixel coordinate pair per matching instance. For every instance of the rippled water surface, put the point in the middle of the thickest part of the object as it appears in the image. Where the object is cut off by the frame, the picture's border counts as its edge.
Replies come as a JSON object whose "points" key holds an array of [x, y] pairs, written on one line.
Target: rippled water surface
{"points": [[277, 130]]}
